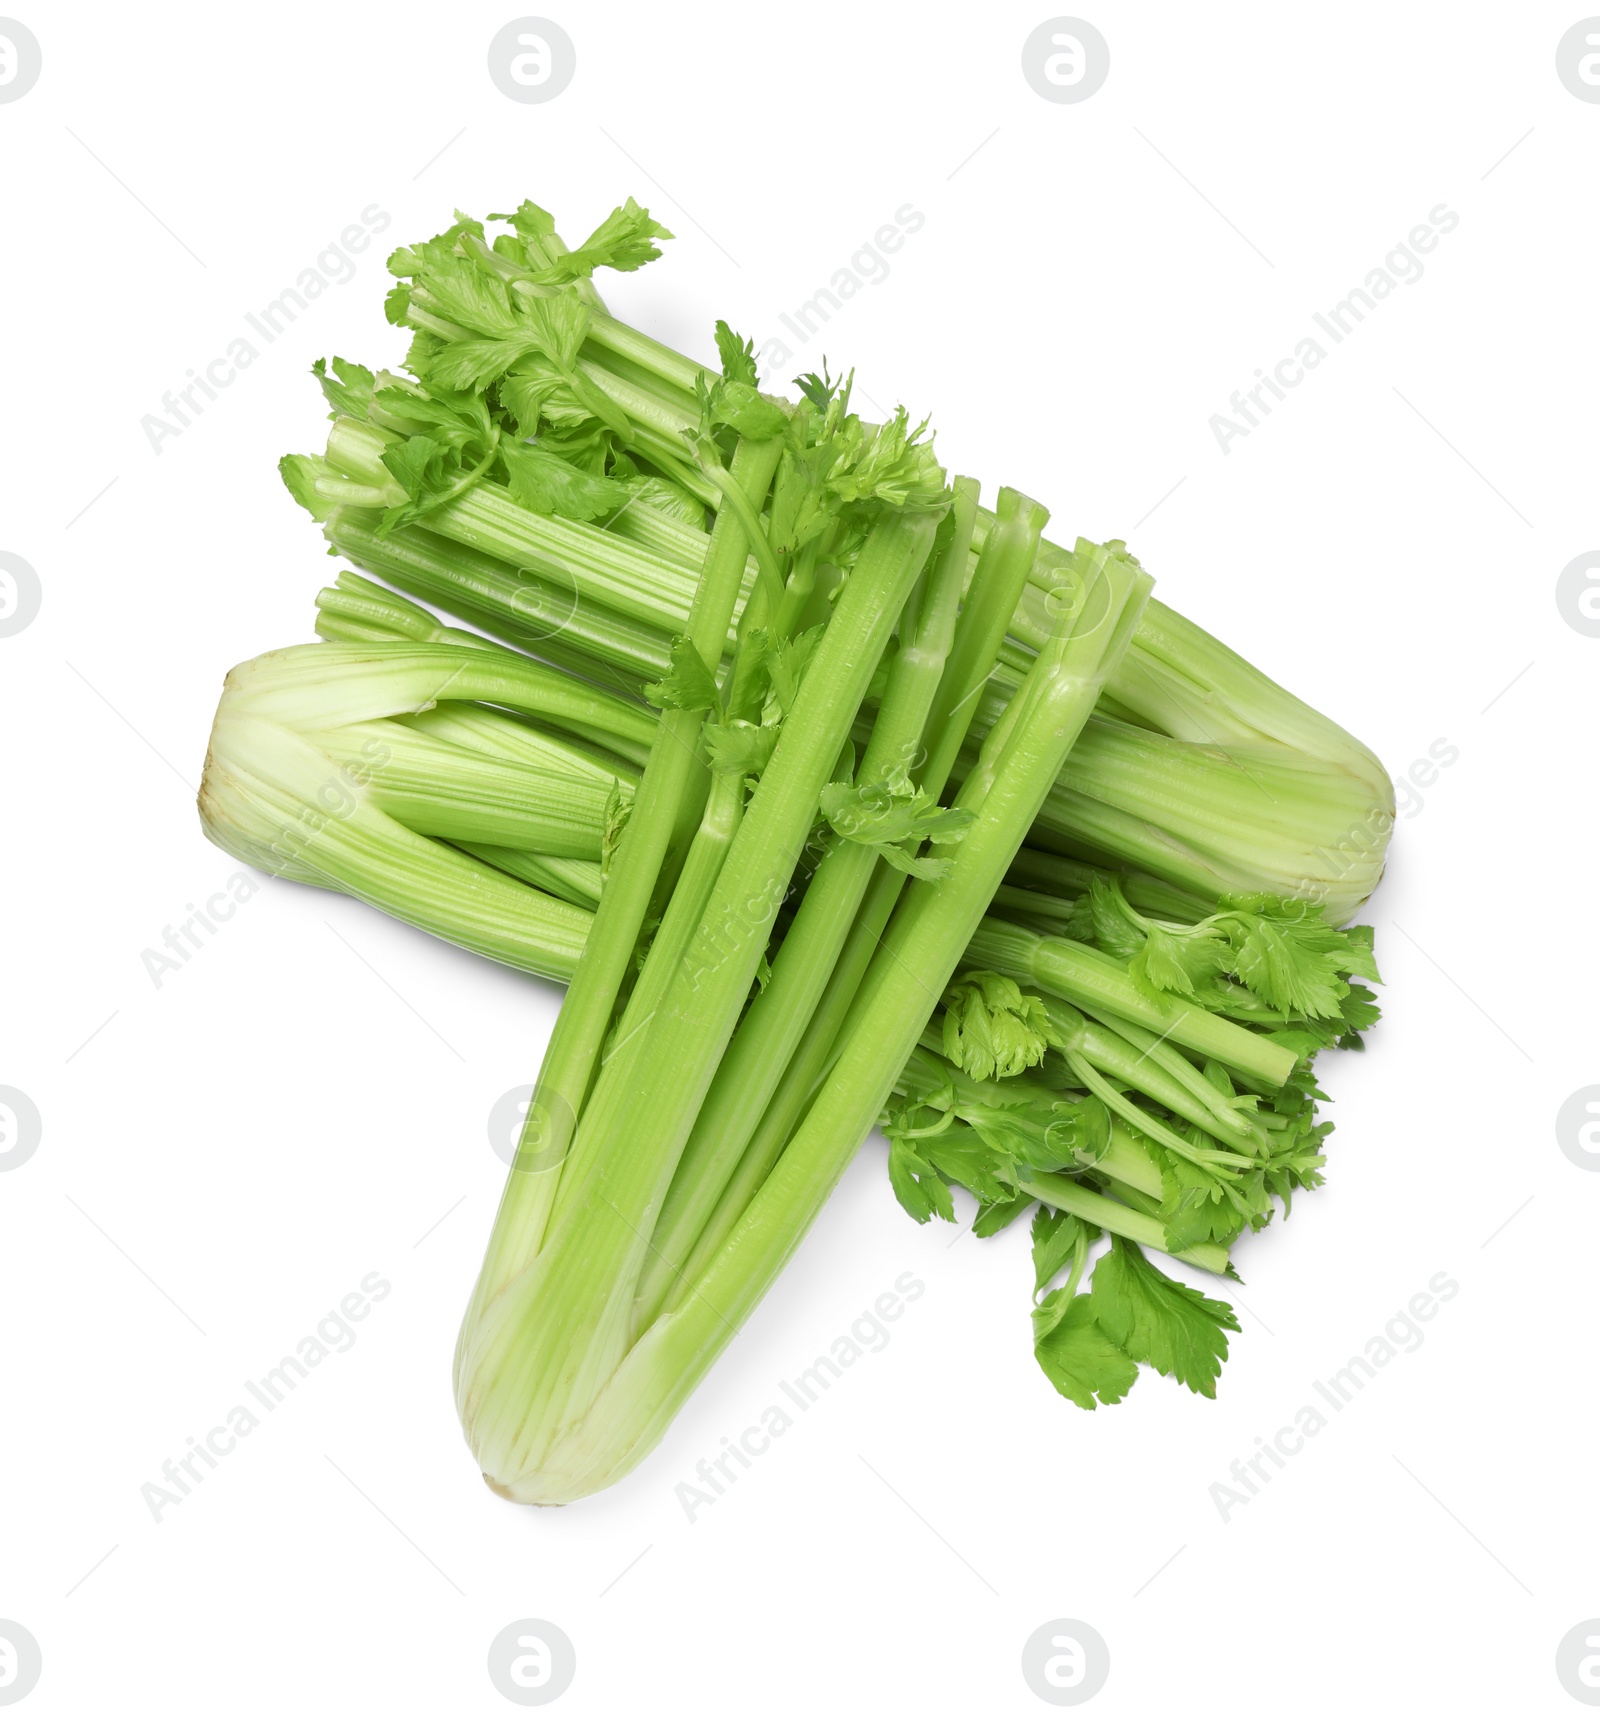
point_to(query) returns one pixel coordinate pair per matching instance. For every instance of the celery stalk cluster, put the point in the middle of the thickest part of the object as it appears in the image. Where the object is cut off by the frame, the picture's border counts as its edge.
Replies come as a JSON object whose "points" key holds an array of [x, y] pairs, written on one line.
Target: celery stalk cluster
{"points": [[836, 799]]}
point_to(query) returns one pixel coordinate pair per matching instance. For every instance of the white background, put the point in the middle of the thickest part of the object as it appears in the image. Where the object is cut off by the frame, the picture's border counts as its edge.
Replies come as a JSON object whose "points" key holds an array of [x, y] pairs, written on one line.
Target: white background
{"points": [[304, 1100]]}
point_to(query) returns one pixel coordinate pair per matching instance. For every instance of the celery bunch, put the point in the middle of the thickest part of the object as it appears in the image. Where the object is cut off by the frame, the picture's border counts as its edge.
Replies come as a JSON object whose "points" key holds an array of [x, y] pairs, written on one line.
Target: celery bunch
{"points": [[585, 544], [618, 1269], [769, 709]]}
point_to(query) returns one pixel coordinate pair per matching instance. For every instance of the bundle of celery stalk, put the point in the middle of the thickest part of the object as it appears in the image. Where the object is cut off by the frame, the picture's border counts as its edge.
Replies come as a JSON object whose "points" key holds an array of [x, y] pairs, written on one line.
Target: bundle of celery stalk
{"points": [[836, 799]]}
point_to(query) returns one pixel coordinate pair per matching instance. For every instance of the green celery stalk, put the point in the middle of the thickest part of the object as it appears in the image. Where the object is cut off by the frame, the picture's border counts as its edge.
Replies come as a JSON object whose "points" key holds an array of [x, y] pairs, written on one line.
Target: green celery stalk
{"points": [[1175, 677], [1093, 981], [1105, 1212], [1225, 783], [1086, 1044], [530, 1367], [922, 946], [988, 602], [532, 612], [417, 779], [1179, 680], [566, 878], [777, 1018], [1043, 873], [485, 731], [632, 579], [569, 1061], [318, 687], [272, 798]]}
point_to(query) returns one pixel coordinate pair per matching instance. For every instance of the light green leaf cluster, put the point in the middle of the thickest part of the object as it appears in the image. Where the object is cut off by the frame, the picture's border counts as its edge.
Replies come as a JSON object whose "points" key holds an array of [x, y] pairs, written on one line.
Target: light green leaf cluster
{"points": [[991, 1028], [1091, 1345], [891, 817]]}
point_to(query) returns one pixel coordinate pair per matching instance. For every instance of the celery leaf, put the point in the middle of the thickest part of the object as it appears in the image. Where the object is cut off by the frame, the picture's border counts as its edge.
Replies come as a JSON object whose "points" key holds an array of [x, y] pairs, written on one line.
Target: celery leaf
{"points": [[893, 818], [530, 222], [299, 474], [1000, 1213], [991, 1028], [624, 241], [1057, 1236], [348, 391], [688, 684], [739, 747], [549, 485], [737, 356], [669, 500], [917, 1185], [746, 409], [1077, 1356], [1157, 1320]]}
